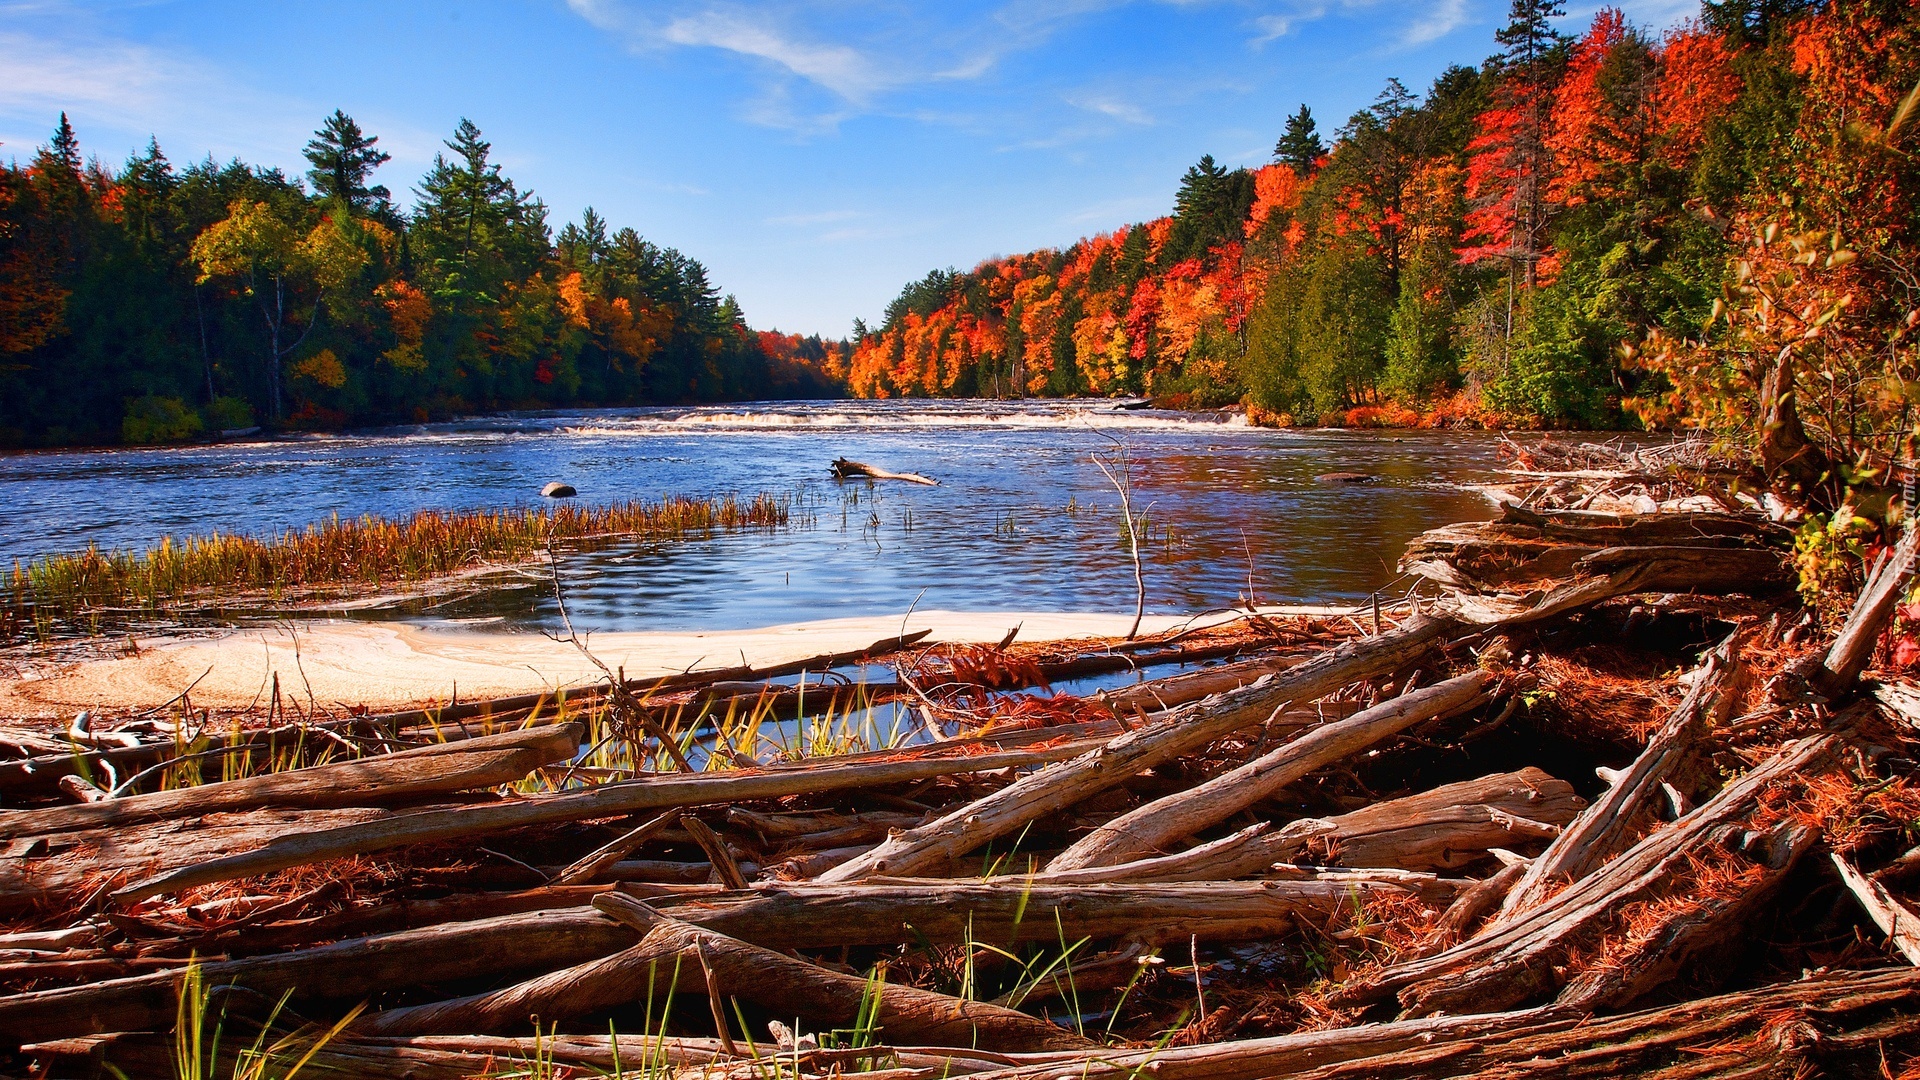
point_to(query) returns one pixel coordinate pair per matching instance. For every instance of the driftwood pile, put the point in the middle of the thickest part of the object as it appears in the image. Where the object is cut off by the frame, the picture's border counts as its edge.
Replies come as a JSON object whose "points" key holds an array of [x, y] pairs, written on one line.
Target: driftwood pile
{"points": [[1605, 805]]}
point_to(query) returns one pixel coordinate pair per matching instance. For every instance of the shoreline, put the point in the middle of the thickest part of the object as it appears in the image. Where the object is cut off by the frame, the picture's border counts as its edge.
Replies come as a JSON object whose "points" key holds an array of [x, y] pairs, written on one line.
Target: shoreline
{"points": [[338, 662]]}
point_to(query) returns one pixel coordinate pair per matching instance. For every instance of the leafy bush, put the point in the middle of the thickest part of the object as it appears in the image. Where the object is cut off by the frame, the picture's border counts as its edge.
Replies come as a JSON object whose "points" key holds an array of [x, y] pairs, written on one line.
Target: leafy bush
{"points": [[156, 419]]}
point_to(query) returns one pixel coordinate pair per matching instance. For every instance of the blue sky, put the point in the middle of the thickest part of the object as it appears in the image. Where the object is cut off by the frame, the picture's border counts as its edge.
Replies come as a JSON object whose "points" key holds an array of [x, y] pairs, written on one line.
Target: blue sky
{"points": [[815, 154]]}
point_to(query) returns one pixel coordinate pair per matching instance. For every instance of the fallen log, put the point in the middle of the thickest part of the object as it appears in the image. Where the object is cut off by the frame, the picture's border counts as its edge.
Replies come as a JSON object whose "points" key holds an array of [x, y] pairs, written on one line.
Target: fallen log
{"points": [[1152, 828], [608, 800], [847, 470], [730, 967], [1622, 571], [373, 781], [1672, 939], [1445, 828], [943, 911], [1054, 789], [1524, 958], [1610, 824], [1872, 612], [1840, 1022], [1893, 918], [66, 867]]}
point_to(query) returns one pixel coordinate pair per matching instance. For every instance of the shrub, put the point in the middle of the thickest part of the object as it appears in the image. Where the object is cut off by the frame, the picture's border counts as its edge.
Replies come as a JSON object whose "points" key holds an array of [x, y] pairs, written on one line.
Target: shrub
{"points": [[156, 419]]}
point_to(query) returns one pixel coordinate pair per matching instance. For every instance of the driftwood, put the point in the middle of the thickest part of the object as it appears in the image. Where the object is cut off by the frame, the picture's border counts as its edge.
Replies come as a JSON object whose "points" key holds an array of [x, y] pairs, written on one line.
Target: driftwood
{"points": [[1609, 825], [1184, 730], [1901, 925], [1871, 614], [1678, 939], [1152, 828], [374, 781], [1518, 960], [674, 949], [548, 940], [1842, 1020], [1449, 827], [847, 470], [608, 800]]}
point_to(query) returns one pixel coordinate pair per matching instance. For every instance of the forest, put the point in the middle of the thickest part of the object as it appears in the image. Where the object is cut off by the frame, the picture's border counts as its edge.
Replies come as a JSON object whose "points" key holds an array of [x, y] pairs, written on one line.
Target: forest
{"points": [[1614, 230], [156, 304]]}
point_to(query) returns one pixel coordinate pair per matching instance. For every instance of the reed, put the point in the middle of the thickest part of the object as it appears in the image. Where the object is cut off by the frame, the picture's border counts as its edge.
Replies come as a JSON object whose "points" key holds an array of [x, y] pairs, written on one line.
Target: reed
{"points": [[364, 554]]}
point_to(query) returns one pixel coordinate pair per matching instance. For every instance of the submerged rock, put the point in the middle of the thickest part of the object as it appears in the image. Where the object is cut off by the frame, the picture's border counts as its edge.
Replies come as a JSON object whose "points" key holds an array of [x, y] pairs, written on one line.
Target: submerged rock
{"points": [[558, 490]]}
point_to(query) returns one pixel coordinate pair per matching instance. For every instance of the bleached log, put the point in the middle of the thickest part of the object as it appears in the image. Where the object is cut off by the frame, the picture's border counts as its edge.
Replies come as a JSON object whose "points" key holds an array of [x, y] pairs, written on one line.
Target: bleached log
{"points": [[1609, 825], [373, 781], [606, 801], [1524, 958], [1901, 925], [1184, 730], [1153, 828]]}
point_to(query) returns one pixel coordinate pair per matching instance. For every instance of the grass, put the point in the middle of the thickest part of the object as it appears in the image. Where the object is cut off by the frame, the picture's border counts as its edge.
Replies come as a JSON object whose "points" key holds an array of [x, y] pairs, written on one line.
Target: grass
{"points": [[198, 1029], [350, 556]]}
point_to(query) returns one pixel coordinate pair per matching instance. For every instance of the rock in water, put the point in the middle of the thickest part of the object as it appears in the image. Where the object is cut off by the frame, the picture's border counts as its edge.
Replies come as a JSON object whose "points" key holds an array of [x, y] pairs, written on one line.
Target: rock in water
{"points": [[1346, 478], [558, 490]]}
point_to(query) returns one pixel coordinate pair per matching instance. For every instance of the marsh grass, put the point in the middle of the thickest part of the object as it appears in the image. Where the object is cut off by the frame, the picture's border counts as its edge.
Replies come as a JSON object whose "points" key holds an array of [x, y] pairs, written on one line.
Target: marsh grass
{"points": [[350, 557]]}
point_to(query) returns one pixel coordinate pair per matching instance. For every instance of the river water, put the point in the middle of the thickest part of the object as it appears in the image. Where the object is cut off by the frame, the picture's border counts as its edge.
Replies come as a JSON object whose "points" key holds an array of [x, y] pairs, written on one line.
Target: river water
{"points": [[1022, 520]]}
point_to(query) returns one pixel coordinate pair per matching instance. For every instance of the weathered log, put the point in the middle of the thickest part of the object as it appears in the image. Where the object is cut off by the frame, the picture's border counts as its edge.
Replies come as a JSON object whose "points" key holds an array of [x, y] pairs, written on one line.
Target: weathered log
{"points": [[373, 781], [67, 866], [1609, 825], [1622, 571], [1871, 613], [1523, 958], [1525, 547], [1680, 938], [787, 986], [587, 867], [449, 721], [1834, 1024], [1475, 904], [1445, 828], [1893, 918], [607, 800], [845, 470], [944, 911], [1153, 828], [40, 775], [1054, 789]]}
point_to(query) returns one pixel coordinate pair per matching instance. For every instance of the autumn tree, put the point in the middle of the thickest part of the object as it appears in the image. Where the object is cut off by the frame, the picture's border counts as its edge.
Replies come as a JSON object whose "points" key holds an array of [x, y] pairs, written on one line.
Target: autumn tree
{"points": [[280, 267]]}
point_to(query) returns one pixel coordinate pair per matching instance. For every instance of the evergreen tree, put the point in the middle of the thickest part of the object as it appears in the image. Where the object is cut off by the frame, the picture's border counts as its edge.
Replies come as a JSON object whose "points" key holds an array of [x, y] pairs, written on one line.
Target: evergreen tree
{"points": [[343, 159], [473, 231], [1300, 147]]}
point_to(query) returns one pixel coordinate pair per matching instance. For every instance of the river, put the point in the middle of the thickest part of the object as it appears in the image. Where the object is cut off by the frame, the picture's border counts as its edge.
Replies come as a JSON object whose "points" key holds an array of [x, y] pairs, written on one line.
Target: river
{"points": [[1022, 520]]}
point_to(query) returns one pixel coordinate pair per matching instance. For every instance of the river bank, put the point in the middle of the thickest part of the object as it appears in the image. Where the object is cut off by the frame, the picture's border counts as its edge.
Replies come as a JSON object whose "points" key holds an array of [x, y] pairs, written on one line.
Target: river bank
{"points": [[349, 666]]}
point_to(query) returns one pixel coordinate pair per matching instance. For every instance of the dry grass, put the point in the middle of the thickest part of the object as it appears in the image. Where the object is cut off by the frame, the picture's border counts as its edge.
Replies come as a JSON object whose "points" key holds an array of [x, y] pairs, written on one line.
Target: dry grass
{"points": [[351, 556]]}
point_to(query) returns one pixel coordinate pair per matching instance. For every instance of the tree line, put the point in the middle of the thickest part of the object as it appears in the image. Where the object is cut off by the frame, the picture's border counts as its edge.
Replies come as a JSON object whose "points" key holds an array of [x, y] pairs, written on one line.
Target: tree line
{"points": [[153, 303], [1553, 238]]}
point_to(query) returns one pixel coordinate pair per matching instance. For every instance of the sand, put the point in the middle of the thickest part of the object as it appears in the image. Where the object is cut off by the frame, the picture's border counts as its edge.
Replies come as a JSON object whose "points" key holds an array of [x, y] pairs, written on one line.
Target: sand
{"points": [[394, 665]]}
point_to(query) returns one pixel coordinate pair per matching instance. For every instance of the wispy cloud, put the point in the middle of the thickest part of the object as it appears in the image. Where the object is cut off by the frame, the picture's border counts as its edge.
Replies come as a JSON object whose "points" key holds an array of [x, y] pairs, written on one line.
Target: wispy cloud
{"points": [[1436, 22], [1111, 106], [840, 68]]}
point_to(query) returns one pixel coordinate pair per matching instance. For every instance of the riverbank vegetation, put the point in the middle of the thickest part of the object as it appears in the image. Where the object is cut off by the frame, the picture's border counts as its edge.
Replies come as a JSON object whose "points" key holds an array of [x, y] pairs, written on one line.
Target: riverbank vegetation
{"points": [[151, 303], [1567, 235], [348, 557]]}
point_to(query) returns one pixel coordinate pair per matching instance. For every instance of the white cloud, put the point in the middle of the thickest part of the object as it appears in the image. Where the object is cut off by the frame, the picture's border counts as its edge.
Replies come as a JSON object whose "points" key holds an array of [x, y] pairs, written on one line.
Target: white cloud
{"points": [[1113, 107], [1439, 20], [839, 68]]}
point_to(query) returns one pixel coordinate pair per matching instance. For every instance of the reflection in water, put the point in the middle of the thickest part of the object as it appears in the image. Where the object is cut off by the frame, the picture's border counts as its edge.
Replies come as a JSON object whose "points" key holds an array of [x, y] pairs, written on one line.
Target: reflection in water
{"points": [[1022, 519]]}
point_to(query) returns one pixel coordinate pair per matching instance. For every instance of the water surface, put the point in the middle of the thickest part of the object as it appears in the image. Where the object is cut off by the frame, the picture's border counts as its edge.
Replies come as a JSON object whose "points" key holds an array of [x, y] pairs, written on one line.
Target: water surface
{"points": [[1022, 519]]}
